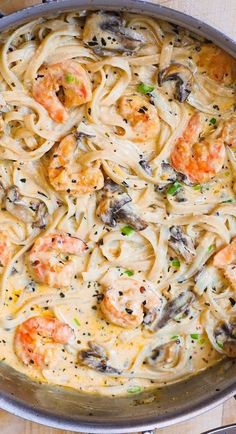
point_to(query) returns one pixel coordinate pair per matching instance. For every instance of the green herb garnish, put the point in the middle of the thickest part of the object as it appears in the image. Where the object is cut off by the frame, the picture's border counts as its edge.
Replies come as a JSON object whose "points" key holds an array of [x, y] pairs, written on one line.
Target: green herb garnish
{"points": [[70, 78], [210, 248], [134, 389], [175, 263], [219, 344], [127, 230], [194, 336], [76, 321], [212, 121], [129, 273], [197, 187], [173, 188], [174, 337], [227, 201], [145, 88], [202, 341]]}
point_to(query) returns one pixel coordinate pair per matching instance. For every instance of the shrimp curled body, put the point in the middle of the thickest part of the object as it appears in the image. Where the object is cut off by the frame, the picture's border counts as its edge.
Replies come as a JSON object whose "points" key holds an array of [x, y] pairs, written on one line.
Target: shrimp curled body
{"points": [[127, 303], [141, 115], [51, 258], [69, 76], [217, 64], [66, 174], [198, 160], [29, 336], [225, 260]]}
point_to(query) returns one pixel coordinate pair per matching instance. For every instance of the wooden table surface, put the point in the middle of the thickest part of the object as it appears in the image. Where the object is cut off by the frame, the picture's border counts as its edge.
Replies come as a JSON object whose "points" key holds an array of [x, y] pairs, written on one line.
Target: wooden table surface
{"points": [[222, 15]]}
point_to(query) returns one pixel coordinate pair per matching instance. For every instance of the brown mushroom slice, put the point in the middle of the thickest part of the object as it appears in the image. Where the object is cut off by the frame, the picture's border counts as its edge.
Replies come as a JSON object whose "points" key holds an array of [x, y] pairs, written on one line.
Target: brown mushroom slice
{"points": [[174, 307], [182, 243], [128, 216], [225, 336], [115, 206], [16, 206], [41, 216], [182, 76], [146, 166], [34, 212], [105, 33], [112, 200], [95, 357], [167, 353]]}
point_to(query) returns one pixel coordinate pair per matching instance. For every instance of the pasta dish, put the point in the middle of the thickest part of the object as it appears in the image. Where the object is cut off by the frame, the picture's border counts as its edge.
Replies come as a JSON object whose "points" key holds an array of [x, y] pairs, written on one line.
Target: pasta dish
{"points": [[118, 193]]}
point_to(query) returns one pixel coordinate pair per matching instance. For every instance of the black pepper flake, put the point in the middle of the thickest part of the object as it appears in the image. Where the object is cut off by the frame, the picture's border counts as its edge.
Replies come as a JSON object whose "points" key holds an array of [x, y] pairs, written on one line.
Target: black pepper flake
{"points": [[23, 180], [42, 194], [232, 301], [62, 295], [129, 311]]}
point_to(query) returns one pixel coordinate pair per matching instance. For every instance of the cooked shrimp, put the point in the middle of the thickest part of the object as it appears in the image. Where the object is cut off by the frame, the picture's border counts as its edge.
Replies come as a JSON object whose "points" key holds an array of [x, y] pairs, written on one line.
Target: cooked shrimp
{"points": [[29, 343], [141, 115], [66, 174], [52, 258], [5, 249], [129, 303], [217, 64], [69, 79], [199, 160], [225, 259]]}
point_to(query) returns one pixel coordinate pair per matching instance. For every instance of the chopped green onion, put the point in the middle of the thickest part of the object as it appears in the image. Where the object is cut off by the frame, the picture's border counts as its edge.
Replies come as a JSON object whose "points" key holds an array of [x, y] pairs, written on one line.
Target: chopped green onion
{"points": [[173, 188], [70, 78], [174, 337], [134, 389], [127, 230], [129, 273], [202, 341], [210, 248], [197, 187], [219, 344], [213, 121], [194, 336], [227, 201], [145, 88], [76, 321], [175, 263], [227, 173]]}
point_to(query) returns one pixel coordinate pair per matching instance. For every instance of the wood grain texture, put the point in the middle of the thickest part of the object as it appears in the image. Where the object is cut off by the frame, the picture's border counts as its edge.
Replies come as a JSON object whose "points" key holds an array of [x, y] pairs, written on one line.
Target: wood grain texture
{"points": [[222, 15]]}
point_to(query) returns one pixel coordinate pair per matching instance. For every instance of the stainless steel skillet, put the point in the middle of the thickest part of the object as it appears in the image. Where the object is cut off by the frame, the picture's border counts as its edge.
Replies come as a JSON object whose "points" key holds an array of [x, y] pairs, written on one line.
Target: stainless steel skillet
{"points": [[71, 410]]}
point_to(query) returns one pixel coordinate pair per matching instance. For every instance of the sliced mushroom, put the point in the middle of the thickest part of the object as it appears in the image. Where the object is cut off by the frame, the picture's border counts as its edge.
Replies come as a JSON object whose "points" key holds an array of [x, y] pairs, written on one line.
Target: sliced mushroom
{"points": [[16, 206], [41, 216], [128, 216], [164, 354], [174, 307], [95, 357], [114, 206], [105, 33], [182, 76], [34, 212], [146, 166], [182, 243], [225, 335], [113, 199], [170, 175]]}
